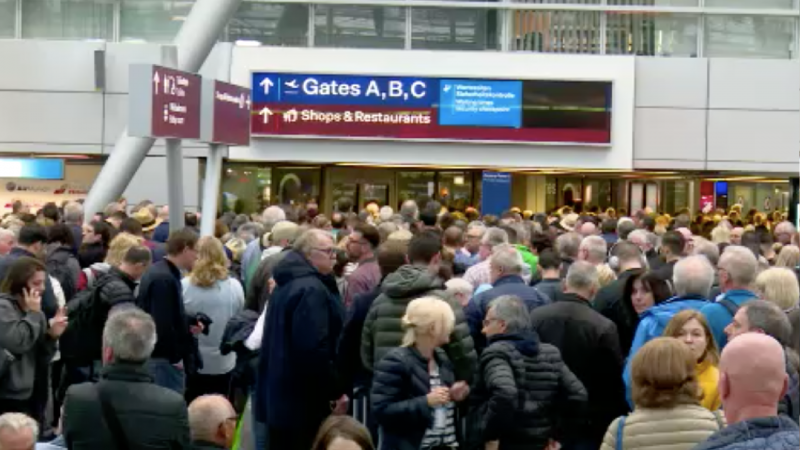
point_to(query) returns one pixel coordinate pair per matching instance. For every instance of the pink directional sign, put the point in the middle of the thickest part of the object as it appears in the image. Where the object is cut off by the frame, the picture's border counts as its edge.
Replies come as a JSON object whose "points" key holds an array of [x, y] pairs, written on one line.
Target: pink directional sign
{"points": [[164, 103], [226, 113]]}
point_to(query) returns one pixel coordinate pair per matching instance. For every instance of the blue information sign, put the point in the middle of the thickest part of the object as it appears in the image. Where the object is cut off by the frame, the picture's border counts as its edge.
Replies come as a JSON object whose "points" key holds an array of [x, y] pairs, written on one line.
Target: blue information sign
{"points": [[495, 192], [32, 168], [344, 90], [481, 103]]}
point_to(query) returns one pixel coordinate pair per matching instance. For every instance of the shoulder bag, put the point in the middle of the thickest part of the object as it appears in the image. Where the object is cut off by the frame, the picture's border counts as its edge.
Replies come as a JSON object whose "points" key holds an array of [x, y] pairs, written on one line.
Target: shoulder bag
{"points": [[111, 418]]}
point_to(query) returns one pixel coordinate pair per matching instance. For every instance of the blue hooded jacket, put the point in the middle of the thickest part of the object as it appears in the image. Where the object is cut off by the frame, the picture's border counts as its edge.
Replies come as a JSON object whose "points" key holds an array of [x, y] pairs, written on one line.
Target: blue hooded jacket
{"points": [[652, 324], [719, 317]]}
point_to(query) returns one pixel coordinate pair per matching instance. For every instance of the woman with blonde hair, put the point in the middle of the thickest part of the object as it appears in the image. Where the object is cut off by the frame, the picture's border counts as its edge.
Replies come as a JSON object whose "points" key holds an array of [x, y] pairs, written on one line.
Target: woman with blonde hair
{"points": [[721, 234], [414, 387], [789, 257], [210, 290], [666, 396], [691, 328], [778, 285], [117, 249]]}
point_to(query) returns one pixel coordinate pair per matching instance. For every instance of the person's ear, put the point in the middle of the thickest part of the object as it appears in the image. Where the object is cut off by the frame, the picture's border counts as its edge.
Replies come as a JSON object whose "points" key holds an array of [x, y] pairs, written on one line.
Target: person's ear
{"points": [[724, 386], [785, 385]]}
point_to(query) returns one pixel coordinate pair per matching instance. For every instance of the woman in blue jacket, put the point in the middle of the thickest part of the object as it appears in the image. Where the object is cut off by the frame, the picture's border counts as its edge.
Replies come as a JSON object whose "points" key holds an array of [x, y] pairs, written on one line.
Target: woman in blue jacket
{"points": [[414, 388]]}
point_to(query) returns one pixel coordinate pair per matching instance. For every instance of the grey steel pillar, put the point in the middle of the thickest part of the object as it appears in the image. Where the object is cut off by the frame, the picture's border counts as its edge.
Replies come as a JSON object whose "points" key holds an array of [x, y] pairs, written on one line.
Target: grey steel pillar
{"points": [[211, 186], [175, 180], [194, 43]]}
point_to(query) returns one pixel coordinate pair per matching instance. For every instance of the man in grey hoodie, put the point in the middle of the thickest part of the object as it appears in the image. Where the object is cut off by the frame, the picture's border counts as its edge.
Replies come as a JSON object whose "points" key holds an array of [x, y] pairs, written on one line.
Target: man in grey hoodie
{"points": [[383, 328]]}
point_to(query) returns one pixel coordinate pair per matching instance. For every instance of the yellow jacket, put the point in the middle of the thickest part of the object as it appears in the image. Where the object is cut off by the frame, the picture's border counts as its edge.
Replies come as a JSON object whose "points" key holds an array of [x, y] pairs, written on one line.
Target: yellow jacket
{"points": [[708, 378]]}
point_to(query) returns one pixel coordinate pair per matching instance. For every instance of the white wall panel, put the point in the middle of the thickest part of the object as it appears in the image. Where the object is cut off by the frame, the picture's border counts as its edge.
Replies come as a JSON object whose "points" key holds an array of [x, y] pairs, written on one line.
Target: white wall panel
{"points": [[48, 117], [748, 136], [678, 134], [754, 84], [119, 57], [47, 65], [150, 182], [672, 82]]}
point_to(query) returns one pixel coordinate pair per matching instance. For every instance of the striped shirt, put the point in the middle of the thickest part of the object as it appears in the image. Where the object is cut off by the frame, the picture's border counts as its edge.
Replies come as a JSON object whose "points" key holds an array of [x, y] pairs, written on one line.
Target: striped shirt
{"points": [[442, 435]]}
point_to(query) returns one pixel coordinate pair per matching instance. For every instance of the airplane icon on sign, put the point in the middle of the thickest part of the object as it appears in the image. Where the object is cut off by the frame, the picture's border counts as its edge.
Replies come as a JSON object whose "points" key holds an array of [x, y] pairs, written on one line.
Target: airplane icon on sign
{"points": [[292, 84]]}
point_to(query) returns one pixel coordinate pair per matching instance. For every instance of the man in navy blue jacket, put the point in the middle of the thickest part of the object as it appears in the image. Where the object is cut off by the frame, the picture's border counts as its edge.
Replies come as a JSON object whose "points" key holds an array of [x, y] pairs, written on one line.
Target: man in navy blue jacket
{"points": [[297, 382], [505, 269], [161, 296]]}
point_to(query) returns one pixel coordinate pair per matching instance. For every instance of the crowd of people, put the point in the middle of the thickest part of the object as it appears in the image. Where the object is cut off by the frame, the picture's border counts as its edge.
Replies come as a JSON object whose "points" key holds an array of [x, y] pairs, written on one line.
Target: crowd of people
{"points": [[417, 329]]}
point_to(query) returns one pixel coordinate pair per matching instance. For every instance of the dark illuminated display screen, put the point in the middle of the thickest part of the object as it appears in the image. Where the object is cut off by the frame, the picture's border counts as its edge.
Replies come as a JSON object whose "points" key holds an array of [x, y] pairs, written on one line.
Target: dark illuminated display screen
{"points": [[447, 109]]}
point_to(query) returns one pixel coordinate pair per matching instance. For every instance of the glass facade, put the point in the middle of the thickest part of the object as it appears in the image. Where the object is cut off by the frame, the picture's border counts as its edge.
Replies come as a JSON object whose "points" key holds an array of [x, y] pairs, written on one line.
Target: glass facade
{"points": [[67, 19], [270, 24], [152, 20], [760, 29], [8, 16], [359, 26]]}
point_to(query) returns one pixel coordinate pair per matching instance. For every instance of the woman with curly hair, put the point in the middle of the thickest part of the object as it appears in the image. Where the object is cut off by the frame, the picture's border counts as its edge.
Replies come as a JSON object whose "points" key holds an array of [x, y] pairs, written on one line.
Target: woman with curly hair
{"points": [[210, 290]]}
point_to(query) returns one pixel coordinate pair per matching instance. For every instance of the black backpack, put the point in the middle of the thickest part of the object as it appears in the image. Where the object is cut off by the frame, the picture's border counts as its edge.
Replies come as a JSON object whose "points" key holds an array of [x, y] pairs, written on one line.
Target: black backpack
{"points": [[81, 342]]}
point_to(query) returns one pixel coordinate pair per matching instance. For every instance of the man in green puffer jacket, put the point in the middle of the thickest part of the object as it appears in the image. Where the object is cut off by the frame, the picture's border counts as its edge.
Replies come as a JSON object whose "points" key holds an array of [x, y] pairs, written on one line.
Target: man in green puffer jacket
{"points": [[383, 328]]}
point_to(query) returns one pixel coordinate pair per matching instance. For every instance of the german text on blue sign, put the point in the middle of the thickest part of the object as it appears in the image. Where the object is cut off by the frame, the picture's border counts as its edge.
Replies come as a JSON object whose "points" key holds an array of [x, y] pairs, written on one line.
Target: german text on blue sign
{"points": [[308, 89], [495, 192], [481, 103]]}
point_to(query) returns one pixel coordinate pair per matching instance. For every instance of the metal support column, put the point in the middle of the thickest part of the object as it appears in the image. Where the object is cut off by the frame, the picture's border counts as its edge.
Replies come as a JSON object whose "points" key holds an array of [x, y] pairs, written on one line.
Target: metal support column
{"points": [[175, 183], [194, 42], [211, 187], [794, 198]]}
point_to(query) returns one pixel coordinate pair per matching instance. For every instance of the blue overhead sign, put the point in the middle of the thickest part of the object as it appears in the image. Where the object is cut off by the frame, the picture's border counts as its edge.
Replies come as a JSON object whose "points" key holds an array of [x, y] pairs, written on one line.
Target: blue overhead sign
{"points": [[481, 103], [32, 168], [344, 90]]}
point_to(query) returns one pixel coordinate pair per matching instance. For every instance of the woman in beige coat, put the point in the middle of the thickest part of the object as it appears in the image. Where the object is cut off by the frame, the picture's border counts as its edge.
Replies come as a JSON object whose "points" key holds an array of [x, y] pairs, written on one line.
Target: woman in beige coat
{"points": [[666, 395]]}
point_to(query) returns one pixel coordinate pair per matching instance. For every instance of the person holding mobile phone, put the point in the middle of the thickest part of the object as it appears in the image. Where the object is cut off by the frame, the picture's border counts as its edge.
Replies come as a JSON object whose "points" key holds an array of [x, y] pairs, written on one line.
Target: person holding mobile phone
{"points": [[24, 333]]}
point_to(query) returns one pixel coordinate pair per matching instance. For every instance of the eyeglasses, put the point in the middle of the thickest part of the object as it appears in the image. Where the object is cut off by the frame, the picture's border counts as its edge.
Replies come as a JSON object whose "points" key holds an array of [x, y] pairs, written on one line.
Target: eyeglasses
{"points": [[327, 251], [487, 322]]}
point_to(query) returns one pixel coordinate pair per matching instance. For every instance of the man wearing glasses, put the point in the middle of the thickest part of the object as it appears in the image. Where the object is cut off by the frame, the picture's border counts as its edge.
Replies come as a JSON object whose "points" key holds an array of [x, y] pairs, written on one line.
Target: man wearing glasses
{"points": [[469, 254], [296, 381]]}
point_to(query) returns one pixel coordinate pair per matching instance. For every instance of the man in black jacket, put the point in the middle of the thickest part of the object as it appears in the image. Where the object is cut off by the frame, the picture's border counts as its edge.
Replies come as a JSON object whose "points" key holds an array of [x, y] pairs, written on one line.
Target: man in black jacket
{"points": [[297, 380], [82, 343], [161, 296], [589, 345], [527, 396], [125, 409]]}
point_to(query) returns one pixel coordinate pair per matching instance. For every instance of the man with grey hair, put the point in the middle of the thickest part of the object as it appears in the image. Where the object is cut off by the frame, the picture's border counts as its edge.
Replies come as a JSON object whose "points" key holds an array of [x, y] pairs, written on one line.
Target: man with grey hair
{"points": [[125, 405], [692, 279], [479, 273], [469, 254], [737, 270], [212, 421], [568, 246], [784, 232], [589, 344], [18, 432], [521, 409], [593, 249], [625, 227], [647, 242], [296, 371], [505, 271], [73, 218], [252, 254], [8, 240], [704, 247], [161, 233], [410, 212]]}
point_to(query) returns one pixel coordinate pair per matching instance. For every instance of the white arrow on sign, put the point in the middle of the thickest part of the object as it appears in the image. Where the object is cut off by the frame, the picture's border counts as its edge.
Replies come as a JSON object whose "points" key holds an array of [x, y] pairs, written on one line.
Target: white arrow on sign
{"points": [[156, 81], [266, 83], [266, 112]]}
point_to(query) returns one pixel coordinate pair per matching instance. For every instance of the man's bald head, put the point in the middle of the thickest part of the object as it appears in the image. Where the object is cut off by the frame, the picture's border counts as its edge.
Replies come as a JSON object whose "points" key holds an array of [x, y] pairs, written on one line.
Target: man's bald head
{"points": [[752, 377], [588, 229], [212, 419]]}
